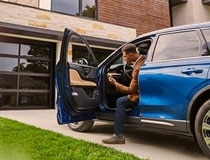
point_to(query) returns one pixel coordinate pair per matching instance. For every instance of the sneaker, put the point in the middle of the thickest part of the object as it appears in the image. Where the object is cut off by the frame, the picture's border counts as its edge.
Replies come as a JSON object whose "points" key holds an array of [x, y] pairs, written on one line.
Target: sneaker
{"points": [[115, 139]]}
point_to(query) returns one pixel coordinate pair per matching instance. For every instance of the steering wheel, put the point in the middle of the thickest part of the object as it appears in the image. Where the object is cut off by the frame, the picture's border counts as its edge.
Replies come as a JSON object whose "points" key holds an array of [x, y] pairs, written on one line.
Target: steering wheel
{"points": [[82, 61], [128, 69]]}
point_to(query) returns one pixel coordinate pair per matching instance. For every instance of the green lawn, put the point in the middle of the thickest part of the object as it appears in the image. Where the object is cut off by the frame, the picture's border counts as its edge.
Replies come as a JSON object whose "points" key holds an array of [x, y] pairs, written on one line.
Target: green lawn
{"points": [[19, 141]]}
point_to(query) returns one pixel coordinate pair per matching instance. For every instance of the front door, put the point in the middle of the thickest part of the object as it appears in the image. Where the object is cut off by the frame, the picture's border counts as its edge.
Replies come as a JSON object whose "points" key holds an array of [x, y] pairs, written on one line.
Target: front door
{"points": [[76, 80]]}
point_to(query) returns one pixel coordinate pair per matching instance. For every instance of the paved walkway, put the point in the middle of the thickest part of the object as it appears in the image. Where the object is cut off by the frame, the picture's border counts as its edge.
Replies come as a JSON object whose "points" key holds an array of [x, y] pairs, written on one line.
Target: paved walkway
{"points": [[143, 144]]}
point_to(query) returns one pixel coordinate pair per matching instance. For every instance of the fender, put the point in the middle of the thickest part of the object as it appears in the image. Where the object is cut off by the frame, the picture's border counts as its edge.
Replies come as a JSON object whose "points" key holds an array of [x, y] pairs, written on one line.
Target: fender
{"points": [[190, 108]]}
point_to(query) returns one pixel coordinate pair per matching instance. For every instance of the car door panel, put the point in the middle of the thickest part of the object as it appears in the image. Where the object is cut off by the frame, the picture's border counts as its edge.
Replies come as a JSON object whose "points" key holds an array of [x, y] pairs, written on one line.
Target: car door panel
{"points": [[76, 80], [83, 88], [77, 93], [176, 72], [161, 97]]}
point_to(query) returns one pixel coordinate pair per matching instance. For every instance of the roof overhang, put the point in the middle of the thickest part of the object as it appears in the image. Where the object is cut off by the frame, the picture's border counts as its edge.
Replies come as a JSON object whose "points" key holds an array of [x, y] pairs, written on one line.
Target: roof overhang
{"points": [[176, 2], [206, 2], [29, 31]]}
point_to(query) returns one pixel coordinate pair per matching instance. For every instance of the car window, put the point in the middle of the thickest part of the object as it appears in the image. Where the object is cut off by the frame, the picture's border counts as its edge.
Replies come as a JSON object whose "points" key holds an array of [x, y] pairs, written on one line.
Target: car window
{"points": [[143, 47], [78, 52], [177, 45], [206, 33]]}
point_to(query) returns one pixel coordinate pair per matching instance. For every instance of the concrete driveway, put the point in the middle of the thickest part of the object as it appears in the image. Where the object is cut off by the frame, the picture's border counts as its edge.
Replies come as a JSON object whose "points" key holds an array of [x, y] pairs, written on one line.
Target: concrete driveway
{"points": [[143, 144]]}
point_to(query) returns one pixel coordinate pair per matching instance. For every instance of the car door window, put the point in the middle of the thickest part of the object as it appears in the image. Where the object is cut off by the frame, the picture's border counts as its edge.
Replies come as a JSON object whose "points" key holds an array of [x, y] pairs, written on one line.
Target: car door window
{"points": [[206, 33], [177, 45], [79, 53]]}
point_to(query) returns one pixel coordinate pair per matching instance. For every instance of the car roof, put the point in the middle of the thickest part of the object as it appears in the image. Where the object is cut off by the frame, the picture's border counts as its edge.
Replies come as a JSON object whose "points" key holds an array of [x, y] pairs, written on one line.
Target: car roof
{"points": [[176, 28]]}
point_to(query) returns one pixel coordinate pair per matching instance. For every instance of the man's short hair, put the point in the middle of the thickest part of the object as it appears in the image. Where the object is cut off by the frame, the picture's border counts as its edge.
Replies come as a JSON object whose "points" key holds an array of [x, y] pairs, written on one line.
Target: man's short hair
{"points": [[129, 48]]}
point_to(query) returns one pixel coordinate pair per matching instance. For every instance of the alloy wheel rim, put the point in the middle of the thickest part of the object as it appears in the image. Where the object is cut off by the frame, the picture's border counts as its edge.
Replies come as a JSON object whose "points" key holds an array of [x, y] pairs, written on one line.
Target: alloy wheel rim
{"points": [[75, 124], [206, 129]]}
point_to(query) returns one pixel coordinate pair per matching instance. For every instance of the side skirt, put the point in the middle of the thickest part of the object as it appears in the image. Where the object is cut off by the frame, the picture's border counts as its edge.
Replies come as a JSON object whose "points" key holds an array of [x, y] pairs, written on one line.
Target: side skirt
{"points": [[168, 125]]}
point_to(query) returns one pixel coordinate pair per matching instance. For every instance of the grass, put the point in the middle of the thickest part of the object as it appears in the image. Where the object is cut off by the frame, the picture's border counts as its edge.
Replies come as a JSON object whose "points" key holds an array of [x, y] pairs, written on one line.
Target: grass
{"points": [[19, 141]]}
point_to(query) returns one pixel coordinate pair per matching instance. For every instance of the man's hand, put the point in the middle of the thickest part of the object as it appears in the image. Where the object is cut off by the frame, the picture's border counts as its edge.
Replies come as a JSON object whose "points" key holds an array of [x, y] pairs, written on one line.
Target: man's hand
{"points": [[112, 81]]}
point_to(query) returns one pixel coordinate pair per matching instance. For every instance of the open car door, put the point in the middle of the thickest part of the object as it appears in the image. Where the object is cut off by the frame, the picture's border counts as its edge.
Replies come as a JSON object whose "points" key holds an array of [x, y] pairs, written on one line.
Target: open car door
{"points": [[76, 80]]}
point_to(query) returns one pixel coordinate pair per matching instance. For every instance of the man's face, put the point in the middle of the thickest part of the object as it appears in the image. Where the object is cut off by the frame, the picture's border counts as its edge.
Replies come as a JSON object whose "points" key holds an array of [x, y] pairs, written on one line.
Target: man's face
{"points": [[128, 57]]}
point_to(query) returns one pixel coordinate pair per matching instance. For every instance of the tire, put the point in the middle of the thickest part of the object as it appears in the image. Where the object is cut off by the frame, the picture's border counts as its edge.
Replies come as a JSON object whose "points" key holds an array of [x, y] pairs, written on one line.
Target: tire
{"points": [[202, 128], [81, 126]]}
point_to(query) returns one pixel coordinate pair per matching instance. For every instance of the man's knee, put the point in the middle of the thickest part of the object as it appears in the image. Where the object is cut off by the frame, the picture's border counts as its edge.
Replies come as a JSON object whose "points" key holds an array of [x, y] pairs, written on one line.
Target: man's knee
{"points": [[121, 101]]}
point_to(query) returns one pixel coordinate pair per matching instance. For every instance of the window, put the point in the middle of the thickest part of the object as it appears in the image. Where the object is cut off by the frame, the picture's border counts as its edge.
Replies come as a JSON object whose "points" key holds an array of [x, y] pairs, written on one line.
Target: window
{"points": [[86, 8], [177, 45], [26, 73], [99, 53], [206, 33], [66, 6]]}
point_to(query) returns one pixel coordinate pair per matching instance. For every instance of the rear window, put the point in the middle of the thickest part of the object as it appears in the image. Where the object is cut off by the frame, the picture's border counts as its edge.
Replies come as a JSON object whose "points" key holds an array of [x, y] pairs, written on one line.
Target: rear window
{"points": [[177, 45]]}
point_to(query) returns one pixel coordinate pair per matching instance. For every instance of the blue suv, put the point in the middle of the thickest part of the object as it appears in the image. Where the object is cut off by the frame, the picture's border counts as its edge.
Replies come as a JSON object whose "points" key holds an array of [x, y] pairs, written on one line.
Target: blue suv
{"points": [[174, 83]]}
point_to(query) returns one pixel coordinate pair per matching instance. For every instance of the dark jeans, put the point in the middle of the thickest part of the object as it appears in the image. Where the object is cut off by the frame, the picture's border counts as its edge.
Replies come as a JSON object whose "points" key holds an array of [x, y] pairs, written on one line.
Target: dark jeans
{"points": [[121, 104]]}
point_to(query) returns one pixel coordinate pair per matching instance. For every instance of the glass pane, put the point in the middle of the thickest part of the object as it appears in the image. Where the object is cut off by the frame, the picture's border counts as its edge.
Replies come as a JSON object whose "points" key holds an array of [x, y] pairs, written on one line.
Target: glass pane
{"points": [[64, 6], [88, 8], [8, 48], [34, 82], [35, 66], [206, 33], [81, 54], [8, 81], [35, 51], [7, 99], [34, 99], [101, 54], [8, 64], [187, 45], [206, 46]]}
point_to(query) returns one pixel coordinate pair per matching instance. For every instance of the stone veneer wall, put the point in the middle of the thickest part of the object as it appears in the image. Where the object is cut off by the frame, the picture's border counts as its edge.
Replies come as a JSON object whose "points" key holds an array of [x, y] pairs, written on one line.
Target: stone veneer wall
{"points": [[28, 16], [32, 3]]}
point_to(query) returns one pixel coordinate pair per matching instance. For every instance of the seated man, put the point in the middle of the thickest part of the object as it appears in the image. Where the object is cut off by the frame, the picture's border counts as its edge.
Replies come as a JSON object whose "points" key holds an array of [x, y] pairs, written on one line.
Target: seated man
{"points": [[131, 56]]}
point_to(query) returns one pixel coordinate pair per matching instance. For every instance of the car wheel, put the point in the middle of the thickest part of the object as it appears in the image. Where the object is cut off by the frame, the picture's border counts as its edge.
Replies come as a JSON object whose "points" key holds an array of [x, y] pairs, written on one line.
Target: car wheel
{"points": [[202, 128], [81, 126]]}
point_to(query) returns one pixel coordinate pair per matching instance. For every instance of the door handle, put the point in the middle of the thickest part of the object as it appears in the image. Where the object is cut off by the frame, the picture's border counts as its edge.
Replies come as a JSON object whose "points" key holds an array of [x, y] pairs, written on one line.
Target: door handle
{"points": [[190, 71]]}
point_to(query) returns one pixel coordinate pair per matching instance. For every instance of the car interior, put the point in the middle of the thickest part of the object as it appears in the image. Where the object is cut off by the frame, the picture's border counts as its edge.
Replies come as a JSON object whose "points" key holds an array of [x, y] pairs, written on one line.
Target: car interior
{"points": [[84, 89]]}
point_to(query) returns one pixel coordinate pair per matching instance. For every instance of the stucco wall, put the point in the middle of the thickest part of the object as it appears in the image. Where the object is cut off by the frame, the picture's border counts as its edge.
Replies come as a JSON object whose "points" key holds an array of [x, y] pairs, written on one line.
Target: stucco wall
{"points": [[191, 12]]}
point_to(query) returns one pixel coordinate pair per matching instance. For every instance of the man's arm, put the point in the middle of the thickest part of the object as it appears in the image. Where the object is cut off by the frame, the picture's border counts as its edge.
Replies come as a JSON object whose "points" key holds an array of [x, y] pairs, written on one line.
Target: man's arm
{"points": [[133, 87]]}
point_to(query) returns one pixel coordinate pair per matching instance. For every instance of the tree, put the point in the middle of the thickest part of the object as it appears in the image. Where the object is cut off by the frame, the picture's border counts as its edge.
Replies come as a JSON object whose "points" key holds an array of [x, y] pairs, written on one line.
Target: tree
{"points": [[89, 11]]}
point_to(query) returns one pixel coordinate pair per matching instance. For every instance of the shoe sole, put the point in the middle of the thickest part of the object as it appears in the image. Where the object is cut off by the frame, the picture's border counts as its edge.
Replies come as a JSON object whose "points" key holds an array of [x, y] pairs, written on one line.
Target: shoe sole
{"points": [[113, 142]]}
